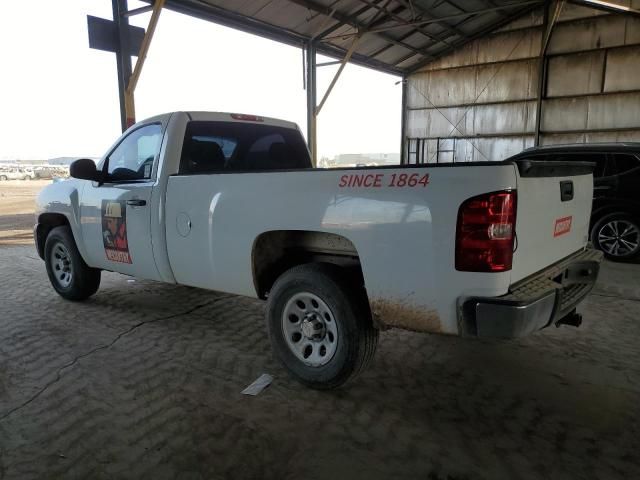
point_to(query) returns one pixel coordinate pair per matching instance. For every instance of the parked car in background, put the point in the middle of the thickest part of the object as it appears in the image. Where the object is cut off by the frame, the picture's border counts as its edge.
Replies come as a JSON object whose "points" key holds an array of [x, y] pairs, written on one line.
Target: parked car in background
{"points": [[615, 217], [15, 173], [43, 173], [28, 173]]}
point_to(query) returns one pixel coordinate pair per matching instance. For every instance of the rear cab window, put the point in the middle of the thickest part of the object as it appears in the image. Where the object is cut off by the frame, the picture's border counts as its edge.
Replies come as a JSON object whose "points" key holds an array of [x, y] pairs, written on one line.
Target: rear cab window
{"points": [[218, 147]]}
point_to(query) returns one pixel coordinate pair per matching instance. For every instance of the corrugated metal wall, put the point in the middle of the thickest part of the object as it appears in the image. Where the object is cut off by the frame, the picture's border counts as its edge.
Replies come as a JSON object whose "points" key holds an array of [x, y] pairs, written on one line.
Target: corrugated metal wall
{"points": [[480, 102]]}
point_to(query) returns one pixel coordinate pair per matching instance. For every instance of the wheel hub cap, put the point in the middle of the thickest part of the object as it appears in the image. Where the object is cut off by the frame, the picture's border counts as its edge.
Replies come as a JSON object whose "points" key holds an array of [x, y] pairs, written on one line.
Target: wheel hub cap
{"points": [[619, 238], [313, 328], [61, 264], [310, 329]]}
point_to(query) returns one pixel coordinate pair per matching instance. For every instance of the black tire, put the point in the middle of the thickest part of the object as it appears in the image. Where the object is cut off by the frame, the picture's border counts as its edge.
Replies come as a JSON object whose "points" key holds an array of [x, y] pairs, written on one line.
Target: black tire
{"points": [[604, 227], [83, 281], [356, 338], [3, 178]]}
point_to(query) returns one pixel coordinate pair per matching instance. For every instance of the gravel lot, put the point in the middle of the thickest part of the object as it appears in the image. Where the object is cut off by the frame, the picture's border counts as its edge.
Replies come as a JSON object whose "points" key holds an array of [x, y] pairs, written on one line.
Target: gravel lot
{"points": [[144, 380], [17, 199]]}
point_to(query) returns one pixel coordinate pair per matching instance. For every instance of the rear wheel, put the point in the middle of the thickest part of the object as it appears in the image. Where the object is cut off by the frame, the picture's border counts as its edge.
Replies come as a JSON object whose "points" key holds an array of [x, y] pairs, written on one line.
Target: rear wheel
{"points": [[618, 236], [68, 273], [3, 177], [320, 326]]}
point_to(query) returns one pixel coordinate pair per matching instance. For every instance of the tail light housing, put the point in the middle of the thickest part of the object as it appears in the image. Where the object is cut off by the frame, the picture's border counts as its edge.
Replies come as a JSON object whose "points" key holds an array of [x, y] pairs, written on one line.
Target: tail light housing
{"points": [[485, 233]]}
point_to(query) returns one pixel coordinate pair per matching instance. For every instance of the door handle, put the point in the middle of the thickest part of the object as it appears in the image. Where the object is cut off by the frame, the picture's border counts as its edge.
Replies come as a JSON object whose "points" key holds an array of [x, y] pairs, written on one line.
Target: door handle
{"points": [[566, 190], [136, 202]]}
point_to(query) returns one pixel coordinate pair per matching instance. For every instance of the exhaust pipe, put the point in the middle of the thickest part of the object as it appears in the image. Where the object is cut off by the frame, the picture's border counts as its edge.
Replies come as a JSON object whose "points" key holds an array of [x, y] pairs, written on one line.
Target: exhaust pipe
{"points": [[573, 319]]}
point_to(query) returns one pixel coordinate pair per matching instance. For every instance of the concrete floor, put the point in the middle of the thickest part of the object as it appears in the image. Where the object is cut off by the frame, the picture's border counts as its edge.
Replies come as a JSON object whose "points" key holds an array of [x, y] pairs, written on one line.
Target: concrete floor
{"points": [[144, 381]]}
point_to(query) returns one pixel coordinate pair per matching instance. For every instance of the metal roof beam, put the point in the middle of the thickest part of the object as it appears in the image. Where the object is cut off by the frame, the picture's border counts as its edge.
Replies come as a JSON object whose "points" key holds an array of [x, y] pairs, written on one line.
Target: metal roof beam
{"points": [[212, 13], [529, 7], [442, 23], [388, 16], [339, 24], [393, 15], [448, 17], [382, 11], [434, 37], [348, 20], [610, 7], [435, 41], [494, 4]]}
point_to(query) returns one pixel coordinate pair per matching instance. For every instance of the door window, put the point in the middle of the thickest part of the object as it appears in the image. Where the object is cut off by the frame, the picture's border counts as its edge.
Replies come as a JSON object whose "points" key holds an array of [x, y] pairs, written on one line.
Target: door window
{"points": [[133, 158]]}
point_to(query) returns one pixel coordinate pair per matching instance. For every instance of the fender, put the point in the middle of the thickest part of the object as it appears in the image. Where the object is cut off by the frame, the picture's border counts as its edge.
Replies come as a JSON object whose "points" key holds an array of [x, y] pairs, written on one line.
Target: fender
{"points": [[60, 199]]}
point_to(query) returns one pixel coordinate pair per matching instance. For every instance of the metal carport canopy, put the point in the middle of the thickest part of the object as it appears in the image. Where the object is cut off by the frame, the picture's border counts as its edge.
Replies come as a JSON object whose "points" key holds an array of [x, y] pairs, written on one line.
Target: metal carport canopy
{"points": [[394, 36]]}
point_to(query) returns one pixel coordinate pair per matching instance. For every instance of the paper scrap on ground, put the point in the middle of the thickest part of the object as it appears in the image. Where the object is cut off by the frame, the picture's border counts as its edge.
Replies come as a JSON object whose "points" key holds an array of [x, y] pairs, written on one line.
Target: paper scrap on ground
{"points": [[262, 382]]}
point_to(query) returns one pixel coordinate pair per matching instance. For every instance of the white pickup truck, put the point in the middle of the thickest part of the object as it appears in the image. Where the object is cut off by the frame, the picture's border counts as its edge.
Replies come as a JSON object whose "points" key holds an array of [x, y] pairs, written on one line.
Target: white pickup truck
{"points": [[231, 203]]}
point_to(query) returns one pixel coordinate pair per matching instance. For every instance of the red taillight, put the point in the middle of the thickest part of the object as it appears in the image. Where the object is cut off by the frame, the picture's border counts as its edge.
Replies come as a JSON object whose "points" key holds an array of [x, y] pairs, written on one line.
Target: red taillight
{"points": [[247, 118], [485, 233]]}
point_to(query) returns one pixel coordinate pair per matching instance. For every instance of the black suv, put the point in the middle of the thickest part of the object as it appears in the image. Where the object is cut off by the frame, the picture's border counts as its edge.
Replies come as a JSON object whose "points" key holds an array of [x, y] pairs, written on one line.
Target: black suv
{"points": [[615, 217]]}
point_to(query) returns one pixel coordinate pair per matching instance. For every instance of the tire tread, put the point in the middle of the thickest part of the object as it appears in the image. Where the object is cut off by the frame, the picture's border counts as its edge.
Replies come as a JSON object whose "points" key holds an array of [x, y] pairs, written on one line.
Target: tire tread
{"points": [[366, 334], [86, 279]]}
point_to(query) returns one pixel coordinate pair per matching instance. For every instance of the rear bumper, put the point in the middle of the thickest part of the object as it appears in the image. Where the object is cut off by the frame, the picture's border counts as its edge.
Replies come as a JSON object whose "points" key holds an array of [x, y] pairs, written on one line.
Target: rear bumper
{"points": [[534, 303]]}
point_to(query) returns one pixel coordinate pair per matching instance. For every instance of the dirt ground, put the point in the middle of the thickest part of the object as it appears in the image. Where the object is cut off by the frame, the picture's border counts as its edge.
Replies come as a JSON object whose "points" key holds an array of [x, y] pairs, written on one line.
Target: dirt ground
{"points": [[144, 379], [17, 207]]}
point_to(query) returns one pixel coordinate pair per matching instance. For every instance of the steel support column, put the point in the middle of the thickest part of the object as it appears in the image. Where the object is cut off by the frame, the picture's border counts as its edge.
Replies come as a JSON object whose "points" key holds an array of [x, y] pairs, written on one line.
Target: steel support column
{"points": [[403, 122], [123, 59], [310, 72], [129, 104], [547, 29]]}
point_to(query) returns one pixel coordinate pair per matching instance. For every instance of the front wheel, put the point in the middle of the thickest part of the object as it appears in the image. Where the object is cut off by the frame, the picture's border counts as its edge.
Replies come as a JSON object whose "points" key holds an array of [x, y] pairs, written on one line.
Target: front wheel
{"points": [[69, 275], [320, 326], [618, 236]]}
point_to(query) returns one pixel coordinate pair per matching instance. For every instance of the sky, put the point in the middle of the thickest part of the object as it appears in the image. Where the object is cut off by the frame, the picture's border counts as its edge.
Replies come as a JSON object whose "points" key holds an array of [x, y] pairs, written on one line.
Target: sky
{"points": [[58, 97]]}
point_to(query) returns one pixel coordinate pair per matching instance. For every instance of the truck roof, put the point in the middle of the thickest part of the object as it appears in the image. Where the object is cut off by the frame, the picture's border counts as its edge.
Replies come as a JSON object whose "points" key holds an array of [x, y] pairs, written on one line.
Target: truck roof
{"points": [[204, 116]]}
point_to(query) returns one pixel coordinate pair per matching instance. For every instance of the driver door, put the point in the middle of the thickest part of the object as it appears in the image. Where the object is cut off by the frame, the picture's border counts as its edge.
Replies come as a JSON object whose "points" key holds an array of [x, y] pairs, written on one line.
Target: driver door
{"points": [[115, 216]]}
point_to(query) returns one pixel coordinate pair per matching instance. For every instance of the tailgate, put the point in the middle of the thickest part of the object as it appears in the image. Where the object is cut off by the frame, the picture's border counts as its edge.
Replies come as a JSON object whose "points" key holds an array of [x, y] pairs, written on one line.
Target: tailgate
{"points": [[554, 206]]}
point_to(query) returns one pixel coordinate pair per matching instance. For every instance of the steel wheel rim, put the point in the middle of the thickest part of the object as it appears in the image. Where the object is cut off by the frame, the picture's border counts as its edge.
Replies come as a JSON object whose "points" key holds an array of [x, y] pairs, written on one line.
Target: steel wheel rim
{"points": [[61, 266], [310, 329], [619, 238]]}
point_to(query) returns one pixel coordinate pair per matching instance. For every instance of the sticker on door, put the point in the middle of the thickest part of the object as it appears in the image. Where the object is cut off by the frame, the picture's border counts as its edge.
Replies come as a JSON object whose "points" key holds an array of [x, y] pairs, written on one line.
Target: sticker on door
{"points": [[114, 231]]}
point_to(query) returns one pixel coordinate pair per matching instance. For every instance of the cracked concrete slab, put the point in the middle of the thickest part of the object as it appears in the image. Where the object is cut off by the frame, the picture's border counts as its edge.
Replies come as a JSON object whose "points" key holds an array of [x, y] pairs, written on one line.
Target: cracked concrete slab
{"points": [[144, 381]]}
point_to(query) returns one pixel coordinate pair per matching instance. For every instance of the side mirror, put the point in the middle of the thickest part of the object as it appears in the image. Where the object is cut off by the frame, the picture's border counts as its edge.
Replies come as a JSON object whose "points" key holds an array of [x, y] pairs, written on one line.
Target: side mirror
{"points": [[85, 169]]}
